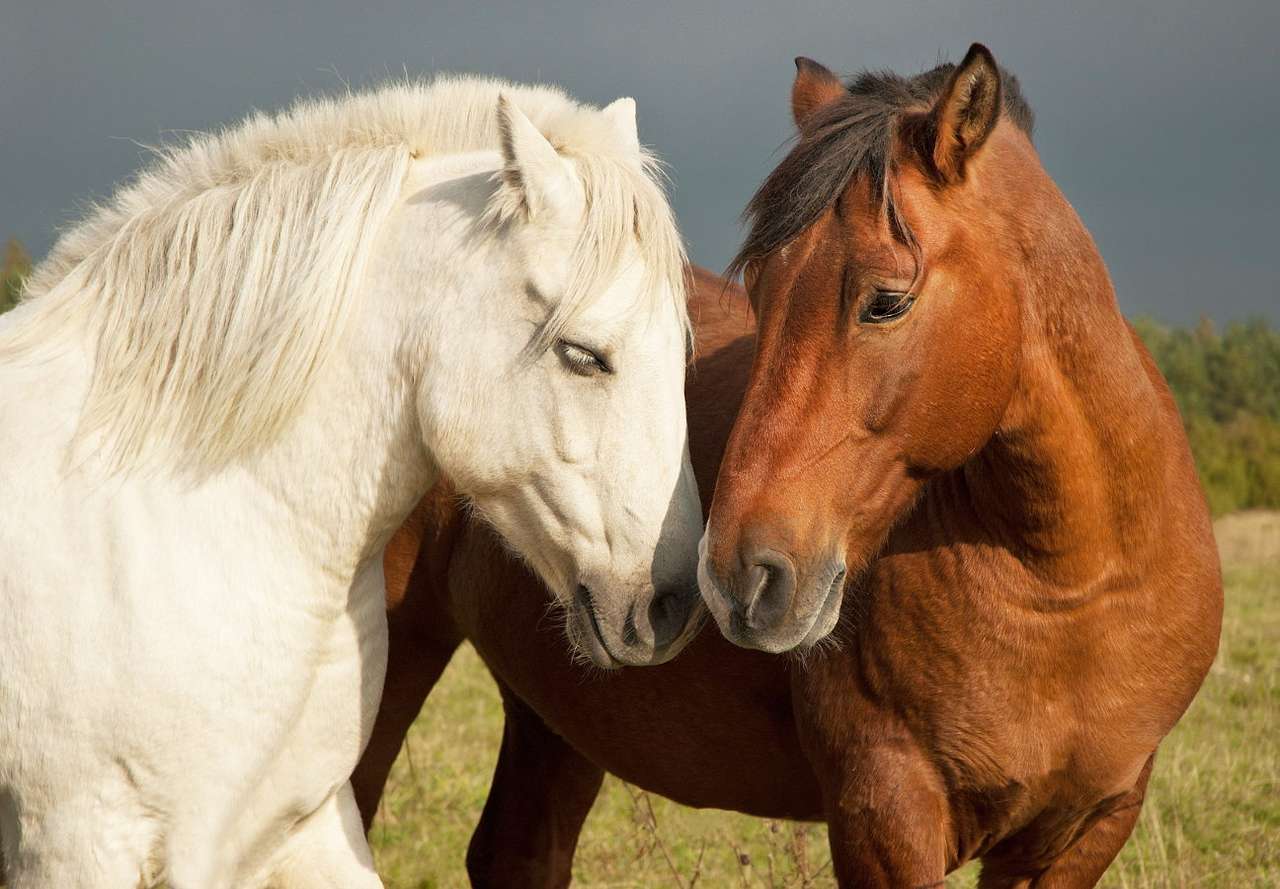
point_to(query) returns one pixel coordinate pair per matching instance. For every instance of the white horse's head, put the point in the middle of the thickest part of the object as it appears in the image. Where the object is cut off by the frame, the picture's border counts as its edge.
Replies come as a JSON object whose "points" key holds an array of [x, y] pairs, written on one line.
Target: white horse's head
{"points": [[555, 344], [521, 327]]}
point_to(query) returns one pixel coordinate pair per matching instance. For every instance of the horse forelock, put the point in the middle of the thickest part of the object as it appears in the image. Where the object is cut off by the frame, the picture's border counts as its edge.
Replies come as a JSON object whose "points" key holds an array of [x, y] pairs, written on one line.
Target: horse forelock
{"points": [[625, 205], [850, 138]]}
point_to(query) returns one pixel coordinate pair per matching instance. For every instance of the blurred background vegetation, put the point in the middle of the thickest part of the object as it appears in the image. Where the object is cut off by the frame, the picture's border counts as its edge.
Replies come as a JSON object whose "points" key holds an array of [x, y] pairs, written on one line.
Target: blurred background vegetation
{"points": [[16, 265], [1227, 385]]}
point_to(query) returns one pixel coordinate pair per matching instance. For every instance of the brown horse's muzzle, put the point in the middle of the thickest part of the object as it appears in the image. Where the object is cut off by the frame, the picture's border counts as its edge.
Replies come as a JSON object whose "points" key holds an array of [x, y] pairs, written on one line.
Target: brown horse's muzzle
{"points": [[763, 598]]}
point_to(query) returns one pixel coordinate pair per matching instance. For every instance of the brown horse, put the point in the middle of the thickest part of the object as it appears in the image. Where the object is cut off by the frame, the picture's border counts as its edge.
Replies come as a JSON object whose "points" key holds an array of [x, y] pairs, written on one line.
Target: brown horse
{"points": [[946, 406]]}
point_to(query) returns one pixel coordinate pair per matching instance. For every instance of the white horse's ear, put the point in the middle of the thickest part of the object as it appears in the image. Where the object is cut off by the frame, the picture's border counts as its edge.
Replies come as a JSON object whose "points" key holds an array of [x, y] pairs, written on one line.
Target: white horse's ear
{"points": [[531, 169], [621, 114]]}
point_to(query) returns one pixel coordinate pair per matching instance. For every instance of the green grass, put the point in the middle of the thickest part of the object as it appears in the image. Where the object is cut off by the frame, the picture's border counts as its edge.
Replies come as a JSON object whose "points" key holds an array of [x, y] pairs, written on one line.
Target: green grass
{"points": [[1212, 817]]}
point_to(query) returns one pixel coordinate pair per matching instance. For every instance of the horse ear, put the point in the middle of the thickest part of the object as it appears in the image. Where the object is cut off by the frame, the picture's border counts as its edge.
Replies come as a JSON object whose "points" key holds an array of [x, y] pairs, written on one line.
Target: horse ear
{"points": [[967, 112], [621, 114], [814, 87], [531, 169]]}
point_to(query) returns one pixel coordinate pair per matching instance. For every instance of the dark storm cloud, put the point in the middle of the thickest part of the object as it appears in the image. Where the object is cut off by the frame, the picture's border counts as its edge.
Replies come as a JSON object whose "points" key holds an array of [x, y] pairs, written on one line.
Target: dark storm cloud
{"points": [[1158, 120]]}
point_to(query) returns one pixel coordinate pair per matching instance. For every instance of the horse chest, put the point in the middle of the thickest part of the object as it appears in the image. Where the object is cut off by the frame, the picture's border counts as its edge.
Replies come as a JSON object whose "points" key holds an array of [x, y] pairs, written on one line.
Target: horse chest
{"points": [[998, 713], [209, 659]]}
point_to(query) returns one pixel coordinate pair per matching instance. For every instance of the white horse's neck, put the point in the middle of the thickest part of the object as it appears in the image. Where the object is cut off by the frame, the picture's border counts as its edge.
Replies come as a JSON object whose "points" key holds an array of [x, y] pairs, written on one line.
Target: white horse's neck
{"points": [[333, 487], [351, 467]]}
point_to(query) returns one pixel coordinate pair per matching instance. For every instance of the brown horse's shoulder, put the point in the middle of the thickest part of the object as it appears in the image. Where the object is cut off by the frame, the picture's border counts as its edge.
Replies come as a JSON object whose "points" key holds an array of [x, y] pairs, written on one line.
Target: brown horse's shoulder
{"points": [[416, 563], [1062, 697]]}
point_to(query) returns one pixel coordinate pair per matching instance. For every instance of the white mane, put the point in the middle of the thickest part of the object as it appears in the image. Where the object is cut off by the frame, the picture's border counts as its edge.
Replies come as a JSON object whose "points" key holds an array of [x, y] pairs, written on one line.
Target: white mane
{"points": [[216, 284]]}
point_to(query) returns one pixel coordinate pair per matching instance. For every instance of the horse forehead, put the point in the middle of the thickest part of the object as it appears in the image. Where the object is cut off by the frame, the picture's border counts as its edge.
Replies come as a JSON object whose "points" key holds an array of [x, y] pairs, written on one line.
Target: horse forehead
{"points": [[853, 240], [631, 288], [864, 219], [801, 267], [634, 316]]}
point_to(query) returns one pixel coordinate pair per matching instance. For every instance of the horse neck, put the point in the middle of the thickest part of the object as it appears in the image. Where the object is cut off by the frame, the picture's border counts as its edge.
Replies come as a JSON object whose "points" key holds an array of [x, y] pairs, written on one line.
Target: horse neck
{"points": [[353, 467], [350, 468], [1067, 480]]}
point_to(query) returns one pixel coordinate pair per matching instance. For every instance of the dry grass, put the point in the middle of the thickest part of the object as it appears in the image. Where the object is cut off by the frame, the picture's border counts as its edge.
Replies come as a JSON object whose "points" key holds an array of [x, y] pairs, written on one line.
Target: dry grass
{"points": [[1249, 538], [1212, 817]]}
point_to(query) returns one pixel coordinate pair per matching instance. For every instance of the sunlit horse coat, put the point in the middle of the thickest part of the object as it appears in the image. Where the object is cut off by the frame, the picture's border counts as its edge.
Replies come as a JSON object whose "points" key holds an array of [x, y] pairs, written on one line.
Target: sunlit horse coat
{"points": [[226, 389]]}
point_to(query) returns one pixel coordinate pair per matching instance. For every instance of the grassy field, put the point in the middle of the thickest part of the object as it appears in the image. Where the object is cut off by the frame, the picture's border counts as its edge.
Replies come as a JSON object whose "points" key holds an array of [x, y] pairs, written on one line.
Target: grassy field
{"points": [[1212, 817]]}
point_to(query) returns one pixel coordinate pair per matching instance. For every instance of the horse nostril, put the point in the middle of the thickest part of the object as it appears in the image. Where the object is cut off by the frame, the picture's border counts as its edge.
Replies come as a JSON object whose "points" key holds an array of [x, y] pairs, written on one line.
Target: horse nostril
{"points": [[757, 580], [668, 614], [769, 591], [630, 635]]}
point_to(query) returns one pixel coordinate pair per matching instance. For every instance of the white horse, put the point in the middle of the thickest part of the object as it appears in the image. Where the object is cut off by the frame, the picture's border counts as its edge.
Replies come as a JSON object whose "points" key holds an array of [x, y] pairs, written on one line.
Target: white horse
{"points": [[227, 388]]}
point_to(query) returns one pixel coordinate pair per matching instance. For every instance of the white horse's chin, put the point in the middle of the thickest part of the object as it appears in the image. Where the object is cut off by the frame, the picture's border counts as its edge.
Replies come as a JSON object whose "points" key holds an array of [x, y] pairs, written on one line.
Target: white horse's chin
{"points": [[586, 638]]}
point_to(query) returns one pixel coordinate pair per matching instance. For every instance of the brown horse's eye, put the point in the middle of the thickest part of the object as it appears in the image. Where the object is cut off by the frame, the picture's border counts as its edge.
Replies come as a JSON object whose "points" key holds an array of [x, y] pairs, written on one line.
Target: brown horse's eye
{"points": [[886, 305]]}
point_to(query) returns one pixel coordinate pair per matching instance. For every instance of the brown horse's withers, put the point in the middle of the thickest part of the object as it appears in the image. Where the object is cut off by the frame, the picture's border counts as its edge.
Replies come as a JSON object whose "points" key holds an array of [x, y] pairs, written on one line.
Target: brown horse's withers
{"points": [[946, 406]]}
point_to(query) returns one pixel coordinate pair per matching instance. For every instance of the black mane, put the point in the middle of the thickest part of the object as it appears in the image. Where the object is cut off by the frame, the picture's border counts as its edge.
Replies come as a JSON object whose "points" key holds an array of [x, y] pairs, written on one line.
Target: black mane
{"points": [[847, 138]]}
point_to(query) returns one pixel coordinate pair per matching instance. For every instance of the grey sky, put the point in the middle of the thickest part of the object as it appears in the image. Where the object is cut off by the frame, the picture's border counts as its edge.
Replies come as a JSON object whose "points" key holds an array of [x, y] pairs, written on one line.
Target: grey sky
{"points": [[1159, 120]]}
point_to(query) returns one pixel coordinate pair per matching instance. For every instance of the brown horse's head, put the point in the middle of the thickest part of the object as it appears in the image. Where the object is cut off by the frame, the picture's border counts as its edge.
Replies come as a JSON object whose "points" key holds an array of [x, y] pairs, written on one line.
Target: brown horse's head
{"points": [[884, 265]]}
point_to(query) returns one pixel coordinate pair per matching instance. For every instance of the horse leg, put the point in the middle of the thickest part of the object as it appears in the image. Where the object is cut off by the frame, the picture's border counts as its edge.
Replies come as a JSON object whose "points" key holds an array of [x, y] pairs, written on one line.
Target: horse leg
{"points": [[885, 803], [1083, 863], [541, 793], [885, 822], [416, 659], [328, 850]]}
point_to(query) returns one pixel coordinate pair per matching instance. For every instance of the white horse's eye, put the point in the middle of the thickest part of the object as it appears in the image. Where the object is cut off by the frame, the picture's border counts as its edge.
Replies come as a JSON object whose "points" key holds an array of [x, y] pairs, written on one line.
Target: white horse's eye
{"points": [[582, 360]]}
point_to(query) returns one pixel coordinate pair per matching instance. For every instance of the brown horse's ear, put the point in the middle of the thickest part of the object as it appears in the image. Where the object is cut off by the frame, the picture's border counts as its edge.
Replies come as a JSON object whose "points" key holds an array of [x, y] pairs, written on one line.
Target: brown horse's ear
{"points": [[815, 86], [967, 112]]}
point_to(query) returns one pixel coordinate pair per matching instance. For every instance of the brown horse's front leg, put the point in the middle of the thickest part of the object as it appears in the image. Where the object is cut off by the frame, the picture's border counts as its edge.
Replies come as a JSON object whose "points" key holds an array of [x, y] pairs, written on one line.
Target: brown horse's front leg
{"points": [[541, 793], [1082, 865], [886, 821], [885, 804]]}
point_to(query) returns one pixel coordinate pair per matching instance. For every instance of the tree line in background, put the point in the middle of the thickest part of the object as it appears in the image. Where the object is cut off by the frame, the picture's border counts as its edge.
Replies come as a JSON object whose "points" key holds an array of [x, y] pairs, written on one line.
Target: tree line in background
{"points": [[1227, 386]]}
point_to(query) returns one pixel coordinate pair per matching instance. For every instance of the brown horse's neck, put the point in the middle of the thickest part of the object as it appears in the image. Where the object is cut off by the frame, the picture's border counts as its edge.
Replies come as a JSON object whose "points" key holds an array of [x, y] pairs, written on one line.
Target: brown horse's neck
{"points": [[1071, 481]]}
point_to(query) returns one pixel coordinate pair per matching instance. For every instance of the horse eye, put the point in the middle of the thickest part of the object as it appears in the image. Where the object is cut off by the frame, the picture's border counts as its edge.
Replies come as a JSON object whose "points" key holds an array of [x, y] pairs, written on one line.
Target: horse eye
{"points": [[582, 360], [886, 305]]}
